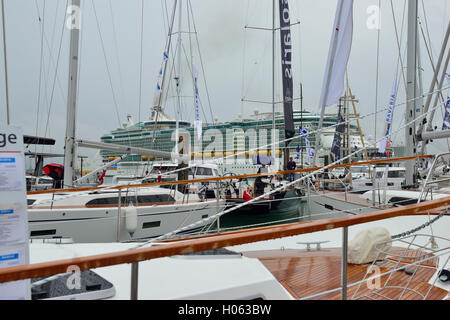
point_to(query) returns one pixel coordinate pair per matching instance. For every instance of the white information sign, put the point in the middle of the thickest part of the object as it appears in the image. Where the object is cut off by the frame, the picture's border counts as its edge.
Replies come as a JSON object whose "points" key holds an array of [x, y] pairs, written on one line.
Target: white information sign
{"points": [[11, 171], [14, 249], [13, 222]]}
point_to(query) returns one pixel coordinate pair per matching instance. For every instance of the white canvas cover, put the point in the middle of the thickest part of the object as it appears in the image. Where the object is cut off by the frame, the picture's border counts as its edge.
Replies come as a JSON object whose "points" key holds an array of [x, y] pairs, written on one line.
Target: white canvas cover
{"points": [[362, 250]]}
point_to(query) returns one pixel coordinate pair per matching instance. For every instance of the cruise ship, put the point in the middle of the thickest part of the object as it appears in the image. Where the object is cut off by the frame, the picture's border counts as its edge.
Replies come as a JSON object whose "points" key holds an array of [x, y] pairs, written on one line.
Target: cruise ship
{"points": [[234, 151]]}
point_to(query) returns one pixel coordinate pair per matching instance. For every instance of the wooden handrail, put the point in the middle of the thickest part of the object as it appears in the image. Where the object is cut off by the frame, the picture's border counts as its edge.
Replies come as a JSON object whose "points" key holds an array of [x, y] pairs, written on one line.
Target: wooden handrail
{"points": [[213, 242], [243, 176]]}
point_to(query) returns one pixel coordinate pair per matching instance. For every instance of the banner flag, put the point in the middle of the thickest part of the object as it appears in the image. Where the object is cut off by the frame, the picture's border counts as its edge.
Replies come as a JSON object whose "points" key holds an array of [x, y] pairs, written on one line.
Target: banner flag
{"points": [[286, 67]]}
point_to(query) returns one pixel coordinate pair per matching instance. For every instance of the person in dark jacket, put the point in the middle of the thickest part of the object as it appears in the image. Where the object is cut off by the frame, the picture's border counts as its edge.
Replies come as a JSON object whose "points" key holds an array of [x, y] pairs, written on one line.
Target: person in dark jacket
{"points": [[291, 165]]}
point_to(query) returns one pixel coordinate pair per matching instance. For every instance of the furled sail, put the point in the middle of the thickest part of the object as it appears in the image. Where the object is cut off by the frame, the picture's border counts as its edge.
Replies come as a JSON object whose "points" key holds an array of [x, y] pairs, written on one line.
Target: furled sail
{"points": [[340, 129], [446, 123], [286, 67], [387, 129]]}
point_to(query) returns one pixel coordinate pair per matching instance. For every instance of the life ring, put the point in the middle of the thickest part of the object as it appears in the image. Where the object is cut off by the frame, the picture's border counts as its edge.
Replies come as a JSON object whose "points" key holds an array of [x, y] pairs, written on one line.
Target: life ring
{"points": [[316, 183]]}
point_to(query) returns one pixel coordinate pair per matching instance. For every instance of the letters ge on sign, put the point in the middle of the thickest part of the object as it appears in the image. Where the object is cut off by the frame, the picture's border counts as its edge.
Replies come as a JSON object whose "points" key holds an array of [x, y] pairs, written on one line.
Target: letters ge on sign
{"points": [[4, 139]]}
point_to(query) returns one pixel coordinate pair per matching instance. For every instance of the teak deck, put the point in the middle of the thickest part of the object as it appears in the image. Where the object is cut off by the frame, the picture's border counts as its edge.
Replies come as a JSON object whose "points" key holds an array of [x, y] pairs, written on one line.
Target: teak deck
{"points": [[306, 273]]}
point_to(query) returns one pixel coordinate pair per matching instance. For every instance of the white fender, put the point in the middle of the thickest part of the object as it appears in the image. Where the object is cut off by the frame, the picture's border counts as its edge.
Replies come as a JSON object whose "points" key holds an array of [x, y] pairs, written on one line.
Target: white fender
{"points": [[131, 218]]}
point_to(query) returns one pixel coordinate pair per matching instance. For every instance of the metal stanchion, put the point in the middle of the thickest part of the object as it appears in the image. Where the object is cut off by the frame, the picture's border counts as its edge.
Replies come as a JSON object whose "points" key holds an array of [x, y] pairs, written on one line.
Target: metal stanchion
{"points": [[134, 280], [344, 262], [119, 205]]}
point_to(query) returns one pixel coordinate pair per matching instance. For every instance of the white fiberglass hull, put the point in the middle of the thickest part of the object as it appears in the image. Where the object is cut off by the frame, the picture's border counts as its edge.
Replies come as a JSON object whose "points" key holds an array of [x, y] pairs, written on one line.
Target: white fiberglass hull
{"points": [[100, 224], [323, 205]]}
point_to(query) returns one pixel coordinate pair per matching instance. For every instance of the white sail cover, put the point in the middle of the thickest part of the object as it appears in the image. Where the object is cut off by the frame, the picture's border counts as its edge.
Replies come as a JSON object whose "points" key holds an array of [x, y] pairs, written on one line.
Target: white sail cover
{"points": [[338, 55], [369, 245]]}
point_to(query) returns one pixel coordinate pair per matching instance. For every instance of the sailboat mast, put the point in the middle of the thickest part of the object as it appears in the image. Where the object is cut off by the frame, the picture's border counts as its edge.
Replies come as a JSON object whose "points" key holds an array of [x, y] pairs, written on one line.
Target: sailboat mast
{"points": [[5, 62], [273, 76], [69, 149], [178, 76], [411, 93]]}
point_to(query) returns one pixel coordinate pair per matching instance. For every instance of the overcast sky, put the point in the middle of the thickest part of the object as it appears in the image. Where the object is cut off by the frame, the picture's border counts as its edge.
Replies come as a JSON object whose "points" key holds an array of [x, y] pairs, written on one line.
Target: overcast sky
{"points": [[236, 60]]}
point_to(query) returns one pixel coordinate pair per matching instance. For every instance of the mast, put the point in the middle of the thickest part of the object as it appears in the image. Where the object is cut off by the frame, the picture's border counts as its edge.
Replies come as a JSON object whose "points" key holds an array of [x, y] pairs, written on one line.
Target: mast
{"points": [[157, 103], [301, 120], [69, 149], [178, 77], [5, 62], [411, 93], [272, 136]]}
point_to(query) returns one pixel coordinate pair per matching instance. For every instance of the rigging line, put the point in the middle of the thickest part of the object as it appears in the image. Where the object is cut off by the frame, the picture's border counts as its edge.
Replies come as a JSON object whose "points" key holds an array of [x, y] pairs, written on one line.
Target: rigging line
{"points": [[80, 51], [427, 28], [56, 71], [167, 50], [54, 22], [191, 71], [398, 43], [300, 47], [140, 64], [430, 56], [255, 73], [42, 22], [397, 70], [219, 214], [165, 17], [377, 69], [5, 62], [106, 62], [201, 62], [116, 47], [243, 60], [49, 46], [195, 88], [315, 132], [47, 73]]}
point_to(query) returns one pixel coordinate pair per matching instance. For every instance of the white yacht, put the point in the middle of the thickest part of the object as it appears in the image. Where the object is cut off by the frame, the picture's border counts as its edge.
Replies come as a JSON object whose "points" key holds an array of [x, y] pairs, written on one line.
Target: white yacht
{"points": [[92, 216], [385, 178]]}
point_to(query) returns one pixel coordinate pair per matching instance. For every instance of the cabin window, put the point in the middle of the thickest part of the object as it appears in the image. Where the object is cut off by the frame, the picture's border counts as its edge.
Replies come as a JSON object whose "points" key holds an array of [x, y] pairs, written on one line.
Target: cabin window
{"points": [[41, 233], [151, 224], [380, 174], [45, 181], [151, 198], [401, 201], [204, 171], [396, 174]]}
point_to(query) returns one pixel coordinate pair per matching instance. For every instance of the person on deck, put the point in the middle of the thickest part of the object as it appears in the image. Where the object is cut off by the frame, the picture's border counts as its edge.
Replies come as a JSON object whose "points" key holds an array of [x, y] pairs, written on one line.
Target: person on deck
{"points": [[291, 165]]}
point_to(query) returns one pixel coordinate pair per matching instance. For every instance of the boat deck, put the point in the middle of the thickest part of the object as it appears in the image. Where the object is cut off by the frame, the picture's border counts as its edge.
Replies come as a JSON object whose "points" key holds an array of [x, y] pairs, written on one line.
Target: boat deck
{"points": [[349, 197], [306, 273]]}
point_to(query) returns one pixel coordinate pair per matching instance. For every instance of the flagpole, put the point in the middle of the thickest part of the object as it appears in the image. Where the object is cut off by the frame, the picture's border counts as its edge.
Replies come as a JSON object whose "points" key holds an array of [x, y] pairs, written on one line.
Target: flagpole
{"points": [[5, 62], [327, 85]]}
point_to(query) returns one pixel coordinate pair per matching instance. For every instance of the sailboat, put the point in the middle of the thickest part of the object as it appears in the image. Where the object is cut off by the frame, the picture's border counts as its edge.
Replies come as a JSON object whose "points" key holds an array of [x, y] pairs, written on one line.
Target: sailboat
{"points": [[110, 213], [393, 186]]}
